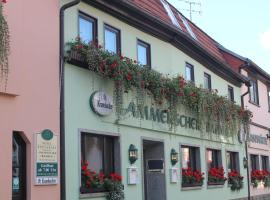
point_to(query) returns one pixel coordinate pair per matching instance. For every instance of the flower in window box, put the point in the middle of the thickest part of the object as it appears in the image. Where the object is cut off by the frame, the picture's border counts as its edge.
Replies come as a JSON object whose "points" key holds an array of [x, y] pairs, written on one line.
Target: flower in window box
{"points": [[191, 177], [235, 180], [216, 176], [258, 176]]}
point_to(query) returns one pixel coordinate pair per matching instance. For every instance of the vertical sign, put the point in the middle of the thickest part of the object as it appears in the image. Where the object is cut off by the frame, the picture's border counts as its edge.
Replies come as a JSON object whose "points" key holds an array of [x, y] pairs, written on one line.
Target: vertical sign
{"points": [[46, 165]]}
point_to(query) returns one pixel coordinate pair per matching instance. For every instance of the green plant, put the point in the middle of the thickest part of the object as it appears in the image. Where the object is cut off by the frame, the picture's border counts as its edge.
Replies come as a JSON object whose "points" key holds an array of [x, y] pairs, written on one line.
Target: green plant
{"points": [[235, 180], [214, 113], [216, 175], [4, 45], [192, 177]]}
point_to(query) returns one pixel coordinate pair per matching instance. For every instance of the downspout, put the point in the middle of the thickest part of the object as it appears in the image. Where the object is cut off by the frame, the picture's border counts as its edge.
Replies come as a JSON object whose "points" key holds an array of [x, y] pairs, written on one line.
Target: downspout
{"points": [[62, 99], [246, 139]]}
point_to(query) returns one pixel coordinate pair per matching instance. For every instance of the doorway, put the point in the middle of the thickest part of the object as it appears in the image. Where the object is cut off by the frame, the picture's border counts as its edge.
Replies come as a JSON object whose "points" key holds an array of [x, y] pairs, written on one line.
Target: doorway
{"points": [[18, 167], [154, 172]]}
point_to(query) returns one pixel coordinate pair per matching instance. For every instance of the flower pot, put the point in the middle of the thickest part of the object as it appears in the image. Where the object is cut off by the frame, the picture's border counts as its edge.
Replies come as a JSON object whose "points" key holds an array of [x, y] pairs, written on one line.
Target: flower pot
{"points": [[84, 190], [192, 184]]}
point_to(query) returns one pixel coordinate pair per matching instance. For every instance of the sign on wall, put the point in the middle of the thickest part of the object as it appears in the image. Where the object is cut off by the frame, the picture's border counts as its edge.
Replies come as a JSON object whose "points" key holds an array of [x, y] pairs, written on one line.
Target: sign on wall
{"points": [[46, 162], [101, 103]]}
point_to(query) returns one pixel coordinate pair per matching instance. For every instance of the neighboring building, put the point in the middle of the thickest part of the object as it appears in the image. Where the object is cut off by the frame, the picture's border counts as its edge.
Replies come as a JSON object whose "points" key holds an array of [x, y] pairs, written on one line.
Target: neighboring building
{"points": [[257, 101], [155, 34], [30, 102]]}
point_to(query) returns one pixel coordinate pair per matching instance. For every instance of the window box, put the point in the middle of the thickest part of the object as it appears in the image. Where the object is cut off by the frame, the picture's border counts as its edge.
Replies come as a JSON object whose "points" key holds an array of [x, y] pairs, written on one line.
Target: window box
{"points": [[84, 190], [192, 184], [216, 183]]}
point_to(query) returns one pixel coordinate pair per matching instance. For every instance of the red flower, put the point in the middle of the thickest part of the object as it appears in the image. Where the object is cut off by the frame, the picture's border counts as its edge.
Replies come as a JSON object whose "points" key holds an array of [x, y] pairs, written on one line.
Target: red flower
{"points": [[114, 65], [129, 76]]}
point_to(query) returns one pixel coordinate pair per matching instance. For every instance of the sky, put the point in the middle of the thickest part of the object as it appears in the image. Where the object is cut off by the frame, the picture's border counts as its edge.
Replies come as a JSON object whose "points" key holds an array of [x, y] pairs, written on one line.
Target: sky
{"points": [[242, 26]]}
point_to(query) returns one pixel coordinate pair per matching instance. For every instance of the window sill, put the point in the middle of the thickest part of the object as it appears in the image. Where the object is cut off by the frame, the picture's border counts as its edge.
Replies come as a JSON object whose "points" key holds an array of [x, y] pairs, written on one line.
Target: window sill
{"points": [[93, 195], [191, 188], [215, 186], [8, 94], [253, 103]]}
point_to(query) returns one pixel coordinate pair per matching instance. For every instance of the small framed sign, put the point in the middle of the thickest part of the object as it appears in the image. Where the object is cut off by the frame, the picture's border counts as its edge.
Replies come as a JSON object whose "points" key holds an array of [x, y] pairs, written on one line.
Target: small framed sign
{"points": [[46, 160]]}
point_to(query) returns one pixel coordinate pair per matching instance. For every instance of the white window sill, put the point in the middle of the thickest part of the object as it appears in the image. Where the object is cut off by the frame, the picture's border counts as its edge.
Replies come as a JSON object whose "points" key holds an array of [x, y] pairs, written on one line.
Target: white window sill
{"points": [[92, 195]]}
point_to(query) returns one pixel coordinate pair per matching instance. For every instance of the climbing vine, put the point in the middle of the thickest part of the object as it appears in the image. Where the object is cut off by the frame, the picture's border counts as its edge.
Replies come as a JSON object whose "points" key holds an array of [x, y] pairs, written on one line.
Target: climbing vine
{"points": [[214, 113], [4, 45]]}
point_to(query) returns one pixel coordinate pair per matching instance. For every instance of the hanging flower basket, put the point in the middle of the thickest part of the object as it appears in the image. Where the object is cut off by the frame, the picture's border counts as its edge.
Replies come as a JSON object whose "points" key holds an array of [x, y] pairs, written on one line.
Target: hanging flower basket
{"points": [[235, 180]]}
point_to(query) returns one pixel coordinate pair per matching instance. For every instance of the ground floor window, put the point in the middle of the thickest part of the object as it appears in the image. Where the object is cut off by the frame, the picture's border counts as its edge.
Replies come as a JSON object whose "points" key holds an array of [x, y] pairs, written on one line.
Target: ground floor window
{"points": [[100, 159], [215, 168], [191, 166], [254, 162], [232, 161], [265, 163]]}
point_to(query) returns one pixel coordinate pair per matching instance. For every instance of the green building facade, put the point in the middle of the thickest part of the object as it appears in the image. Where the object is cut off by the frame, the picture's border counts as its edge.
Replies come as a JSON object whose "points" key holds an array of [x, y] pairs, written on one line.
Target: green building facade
{"points": [[104, 139]]}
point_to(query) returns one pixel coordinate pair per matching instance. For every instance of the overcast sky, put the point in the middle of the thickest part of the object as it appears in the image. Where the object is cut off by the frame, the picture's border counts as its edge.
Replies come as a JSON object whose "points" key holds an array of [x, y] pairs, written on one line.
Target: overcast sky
{"points": [[242, 26]]}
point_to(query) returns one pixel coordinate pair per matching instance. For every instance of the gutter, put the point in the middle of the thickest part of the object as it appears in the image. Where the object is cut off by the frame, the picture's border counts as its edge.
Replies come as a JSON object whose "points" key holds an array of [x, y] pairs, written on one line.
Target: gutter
{"points": [[62, 99], [246, 64]]}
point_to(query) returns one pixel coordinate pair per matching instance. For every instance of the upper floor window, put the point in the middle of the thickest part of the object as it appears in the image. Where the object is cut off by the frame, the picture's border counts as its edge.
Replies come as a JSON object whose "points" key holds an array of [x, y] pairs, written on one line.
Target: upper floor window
{"points": [[112, 39], [268, 95], [232, 161], [214, 158], [254, 162], [87, 28], [190, 157], [253, 94], [207, 81], [265, 162], [189, 72], [143, 53], [230, 93]]}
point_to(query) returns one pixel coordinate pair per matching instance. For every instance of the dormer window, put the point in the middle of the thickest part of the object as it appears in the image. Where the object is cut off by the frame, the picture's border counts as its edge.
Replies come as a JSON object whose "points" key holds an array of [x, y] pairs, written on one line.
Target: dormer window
{"points": [[188, 27], [170, 13]]}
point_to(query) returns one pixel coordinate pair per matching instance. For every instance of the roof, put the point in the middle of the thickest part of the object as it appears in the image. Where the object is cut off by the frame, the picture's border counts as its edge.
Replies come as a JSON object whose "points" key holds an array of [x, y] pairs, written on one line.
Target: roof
{"points": [[155, 7]]}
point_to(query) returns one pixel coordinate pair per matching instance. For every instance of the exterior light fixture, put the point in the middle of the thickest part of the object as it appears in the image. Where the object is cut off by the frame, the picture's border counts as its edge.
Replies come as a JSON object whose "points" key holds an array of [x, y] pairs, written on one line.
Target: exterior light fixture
{"points": [[245, 162], [133, 154], [174, 157]]}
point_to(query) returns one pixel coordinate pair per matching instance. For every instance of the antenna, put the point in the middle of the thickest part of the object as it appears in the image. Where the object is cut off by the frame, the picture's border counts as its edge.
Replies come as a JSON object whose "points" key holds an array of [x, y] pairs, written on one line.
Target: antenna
{"points": [[191, 10]]}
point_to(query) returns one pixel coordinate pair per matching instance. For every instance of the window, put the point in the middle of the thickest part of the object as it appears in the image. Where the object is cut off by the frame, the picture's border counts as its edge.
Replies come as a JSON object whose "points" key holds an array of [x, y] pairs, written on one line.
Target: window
{"points": [[265, 162], [232, 161], [254, 162], [143, 53], [230, 93], [213, 158], [253, 94], [187, 26], [112, 39], [189, 72], [207, 81], [190, 157], [87, 28], [268, 95], [170, 13], [100, 152]]}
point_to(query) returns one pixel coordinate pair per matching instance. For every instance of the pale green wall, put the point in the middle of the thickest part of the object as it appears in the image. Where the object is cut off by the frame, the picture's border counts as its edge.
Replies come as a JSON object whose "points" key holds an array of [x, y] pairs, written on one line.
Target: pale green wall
{"points": [[80, 83], [164, 57]]}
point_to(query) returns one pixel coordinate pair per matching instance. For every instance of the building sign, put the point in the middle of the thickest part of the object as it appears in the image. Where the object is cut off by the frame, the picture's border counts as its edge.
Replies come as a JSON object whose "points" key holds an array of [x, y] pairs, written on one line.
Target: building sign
{"points": [[101, 103], [258, 139], [46, 172], [161, 116]]}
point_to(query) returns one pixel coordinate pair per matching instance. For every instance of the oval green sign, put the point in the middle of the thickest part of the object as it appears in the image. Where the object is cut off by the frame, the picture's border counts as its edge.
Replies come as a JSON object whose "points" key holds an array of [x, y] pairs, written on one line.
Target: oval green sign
{"points": [[47, 134]]}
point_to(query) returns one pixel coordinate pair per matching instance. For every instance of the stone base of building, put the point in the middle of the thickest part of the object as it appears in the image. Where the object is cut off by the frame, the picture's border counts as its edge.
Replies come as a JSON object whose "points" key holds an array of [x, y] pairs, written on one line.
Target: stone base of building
{"points": [[257, 197]]}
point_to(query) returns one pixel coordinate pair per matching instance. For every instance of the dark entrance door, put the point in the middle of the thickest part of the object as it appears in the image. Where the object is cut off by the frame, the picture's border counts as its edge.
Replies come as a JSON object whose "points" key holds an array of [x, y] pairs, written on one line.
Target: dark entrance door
{"points": [[154, 173], [18, 168]]}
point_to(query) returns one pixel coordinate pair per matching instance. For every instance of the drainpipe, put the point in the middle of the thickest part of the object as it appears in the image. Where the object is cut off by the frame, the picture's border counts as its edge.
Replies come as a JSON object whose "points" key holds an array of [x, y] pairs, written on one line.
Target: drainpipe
{"points": [[246, 139], [62, 98]]}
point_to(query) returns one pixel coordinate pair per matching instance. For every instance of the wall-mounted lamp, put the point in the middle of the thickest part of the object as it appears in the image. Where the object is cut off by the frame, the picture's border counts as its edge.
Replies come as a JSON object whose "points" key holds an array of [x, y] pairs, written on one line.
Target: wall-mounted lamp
{"points": [[174, 157], [133, 154], [245, 162]]}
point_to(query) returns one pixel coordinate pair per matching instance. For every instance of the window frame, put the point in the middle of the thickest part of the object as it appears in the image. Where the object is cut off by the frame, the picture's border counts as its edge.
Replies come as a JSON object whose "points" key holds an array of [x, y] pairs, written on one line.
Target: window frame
{"points": [[90, 19], [197, 155], [230, 88], [257, 162], [237, 161], [219, 160], [148, 51], [255, 92], [117, 153], [118, 37], [208, 76], [262, 163], [191, 67]]}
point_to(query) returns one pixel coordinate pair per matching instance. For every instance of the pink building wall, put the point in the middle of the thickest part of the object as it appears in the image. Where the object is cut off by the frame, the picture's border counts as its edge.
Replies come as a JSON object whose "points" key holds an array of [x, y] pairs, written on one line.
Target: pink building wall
{"points": [[261, 116], [31, 102]]}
